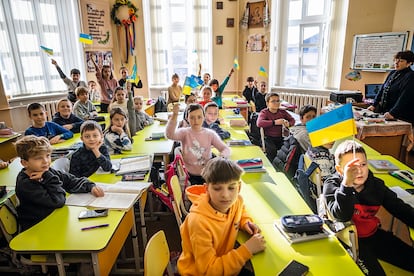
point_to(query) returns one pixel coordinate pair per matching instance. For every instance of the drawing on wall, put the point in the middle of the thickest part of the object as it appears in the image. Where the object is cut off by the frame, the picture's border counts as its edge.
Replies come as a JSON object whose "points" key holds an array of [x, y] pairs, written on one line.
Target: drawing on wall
{"points": [[101, 58], [257, 43]]}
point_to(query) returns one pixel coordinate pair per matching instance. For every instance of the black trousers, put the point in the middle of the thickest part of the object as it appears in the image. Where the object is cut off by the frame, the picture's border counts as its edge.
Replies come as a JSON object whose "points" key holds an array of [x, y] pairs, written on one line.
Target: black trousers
{"points": [[385, 246], [273, 144]]}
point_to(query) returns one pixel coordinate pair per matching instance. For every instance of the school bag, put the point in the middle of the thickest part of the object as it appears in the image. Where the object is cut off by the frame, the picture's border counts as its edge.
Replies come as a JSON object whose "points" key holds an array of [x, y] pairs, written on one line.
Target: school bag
{"points": [[254, 130], [303, 184], [165, 192], [287, 157], [160, 105]]}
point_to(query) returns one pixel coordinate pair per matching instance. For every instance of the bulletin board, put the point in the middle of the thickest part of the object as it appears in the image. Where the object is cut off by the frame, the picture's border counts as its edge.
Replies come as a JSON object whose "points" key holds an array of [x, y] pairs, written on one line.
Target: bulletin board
{"points": [[375, 52]]}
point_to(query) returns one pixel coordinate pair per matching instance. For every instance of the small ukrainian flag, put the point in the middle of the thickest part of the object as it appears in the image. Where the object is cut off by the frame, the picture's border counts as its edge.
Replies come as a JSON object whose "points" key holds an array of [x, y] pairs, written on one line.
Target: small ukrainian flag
{"points": [[262, 72], [236, 64], [331, 126], [47, 50], [85, 38]]}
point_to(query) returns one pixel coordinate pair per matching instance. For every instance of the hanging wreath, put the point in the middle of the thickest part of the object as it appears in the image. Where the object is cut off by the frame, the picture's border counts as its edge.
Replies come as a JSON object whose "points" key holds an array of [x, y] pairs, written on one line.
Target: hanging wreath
{"points": [[132, 13], [127, 24]]}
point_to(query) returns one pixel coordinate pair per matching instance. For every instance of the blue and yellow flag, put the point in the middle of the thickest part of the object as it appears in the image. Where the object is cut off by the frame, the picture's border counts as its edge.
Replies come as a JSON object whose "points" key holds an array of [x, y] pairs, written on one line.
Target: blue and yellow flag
{"points": [[262, 72], [331, 126], [85, 38], [134, 78], [190, 83], [236, 64], [47, 50]]}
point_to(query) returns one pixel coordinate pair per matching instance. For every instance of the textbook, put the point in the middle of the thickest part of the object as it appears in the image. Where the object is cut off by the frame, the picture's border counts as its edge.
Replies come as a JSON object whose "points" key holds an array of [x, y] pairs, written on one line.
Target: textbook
{"points": [[239, 143], [382, 165], [120, 196], [251, 165], [403, 195], [134, 164]]}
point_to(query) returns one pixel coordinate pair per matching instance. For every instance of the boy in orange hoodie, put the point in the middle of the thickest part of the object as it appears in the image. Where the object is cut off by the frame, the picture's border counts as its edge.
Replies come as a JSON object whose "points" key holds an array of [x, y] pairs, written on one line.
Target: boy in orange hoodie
{"points": [[209, 231]]}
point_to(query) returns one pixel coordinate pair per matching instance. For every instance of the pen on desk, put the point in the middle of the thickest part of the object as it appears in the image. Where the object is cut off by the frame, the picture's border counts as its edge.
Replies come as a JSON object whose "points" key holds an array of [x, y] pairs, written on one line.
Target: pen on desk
{"points": [[95, 226]]}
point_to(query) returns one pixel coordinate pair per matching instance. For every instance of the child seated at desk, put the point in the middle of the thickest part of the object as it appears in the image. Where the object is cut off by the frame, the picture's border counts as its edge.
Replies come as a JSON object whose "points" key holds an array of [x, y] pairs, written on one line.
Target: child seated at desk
{"points": [[65, 117], [207, 93], [40, 127], [354, 193], [324, 158], [116, 136], [209, 231], [271, 119], [196, 141], [212, 121], [299, 131], [84, 108], [41, 189], [142, 119], [120, 100], [93, 154], [219, 89]]}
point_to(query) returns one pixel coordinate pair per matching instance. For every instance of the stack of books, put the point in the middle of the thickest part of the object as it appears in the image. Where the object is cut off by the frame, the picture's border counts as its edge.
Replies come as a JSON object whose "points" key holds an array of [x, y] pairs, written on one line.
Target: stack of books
{"points": [[251, 165]]}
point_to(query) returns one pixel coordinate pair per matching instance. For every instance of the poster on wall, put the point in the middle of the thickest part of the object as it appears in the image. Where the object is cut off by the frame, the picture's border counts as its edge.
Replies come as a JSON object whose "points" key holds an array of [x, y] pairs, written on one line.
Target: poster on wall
{"points": [[257, 43], [96, 21], [101, 58]]}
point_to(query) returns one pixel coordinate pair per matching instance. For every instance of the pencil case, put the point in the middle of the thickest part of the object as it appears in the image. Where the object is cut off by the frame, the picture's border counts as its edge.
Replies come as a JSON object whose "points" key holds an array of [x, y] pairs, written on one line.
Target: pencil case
{"points": [[302, 223]]}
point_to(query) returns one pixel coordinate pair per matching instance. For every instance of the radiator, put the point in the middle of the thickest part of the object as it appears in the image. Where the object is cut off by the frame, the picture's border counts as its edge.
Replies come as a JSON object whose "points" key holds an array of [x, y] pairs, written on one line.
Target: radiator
{"points": [[300, 100], [51, 109]]}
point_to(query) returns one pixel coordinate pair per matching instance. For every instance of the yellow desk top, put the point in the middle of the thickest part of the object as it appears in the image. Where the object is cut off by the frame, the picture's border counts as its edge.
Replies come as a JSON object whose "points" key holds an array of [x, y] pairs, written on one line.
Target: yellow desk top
{"points": [[44, 237], [68, 143], [140, 146], [5, 139], [267, 202], [8, 175]]}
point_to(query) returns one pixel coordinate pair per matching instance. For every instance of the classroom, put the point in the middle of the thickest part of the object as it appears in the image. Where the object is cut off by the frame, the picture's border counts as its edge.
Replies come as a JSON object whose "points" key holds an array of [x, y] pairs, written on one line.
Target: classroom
{"points": [[321, 53]]}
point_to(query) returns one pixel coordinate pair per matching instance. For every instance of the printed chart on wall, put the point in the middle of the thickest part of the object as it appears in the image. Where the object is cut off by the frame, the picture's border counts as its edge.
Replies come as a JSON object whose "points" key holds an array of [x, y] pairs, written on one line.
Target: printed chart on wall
{"points": [[375, 52], [96, 22]]}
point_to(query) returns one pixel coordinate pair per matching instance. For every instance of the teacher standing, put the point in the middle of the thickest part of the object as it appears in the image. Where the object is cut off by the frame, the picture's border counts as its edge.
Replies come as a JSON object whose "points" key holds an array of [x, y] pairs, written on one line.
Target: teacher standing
{"points": [[396, 96]]}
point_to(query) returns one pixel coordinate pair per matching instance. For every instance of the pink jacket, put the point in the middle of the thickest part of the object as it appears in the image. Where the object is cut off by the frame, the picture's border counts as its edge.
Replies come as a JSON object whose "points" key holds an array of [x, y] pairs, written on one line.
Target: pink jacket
{"points": [[196, 145]]}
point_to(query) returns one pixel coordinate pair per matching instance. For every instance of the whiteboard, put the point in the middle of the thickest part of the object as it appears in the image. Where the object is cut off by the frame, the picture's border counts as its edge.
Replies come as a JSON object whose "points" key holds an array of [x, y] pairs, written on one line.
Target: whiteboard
{"points": [[376, 51]]}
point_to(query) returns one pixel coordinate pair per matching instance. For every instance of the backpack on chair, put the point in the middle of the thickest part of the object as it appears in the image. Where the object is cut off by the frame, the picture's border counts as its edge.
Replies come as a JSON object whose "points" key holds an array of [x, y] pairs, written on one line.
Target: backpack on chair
{"points": [[254, 130], [165, 192], [287, 157]]}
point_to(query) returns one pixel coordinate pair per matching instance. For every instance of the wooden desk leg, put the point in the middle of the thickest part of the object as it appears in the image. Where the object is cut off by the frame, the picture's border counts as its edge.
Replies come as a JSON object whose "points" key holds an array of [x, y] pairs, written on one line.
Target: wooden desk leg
{"points": [[60, 265]]}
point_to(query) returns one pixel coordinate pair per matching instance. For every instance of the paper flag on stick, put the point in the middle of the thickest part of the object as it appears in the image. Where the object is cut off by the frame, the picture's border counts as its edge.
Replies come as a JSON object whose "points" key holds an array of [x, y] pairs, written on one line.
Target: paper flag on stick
{"points": [[331, 126], [47, 50], [190, 83], [236, 64], [85, 38], [262, 72], [134, 76]]}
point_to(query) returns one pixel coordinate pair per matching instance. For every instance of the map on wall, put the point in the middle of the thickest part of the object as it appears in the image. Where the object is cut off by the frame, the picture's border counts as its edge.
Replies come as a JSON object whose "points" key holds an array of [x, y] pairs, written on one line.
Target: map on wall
{"points": [[376, 52], [96, 21]]}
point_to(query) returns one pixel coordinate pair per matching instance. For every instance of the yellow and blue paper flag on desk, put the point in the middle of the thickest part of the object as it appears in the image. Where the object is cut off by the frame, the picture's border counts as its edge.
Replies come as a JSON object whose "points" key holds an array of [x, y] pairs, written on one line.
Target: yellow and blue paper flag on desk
{"points": [[85, 38], [331, 126]]}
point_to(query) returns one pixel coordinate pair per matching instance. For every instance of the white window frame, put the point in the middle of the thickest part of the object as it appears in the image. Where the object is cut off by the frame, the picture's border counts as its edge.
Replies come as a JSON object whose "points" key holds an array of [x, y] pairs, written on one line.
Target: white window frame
{"points": [[198, 50], [333, 45], [70, 56]]}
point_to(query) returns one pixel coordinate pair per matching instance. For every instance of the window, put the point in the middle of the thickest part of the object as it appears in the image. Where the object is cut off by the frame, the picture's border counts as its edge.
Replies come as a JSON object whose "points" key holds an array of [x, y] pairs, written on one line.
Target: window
{"points": [[302, 56], [25, 25], [178, 38]]}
